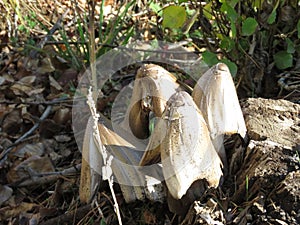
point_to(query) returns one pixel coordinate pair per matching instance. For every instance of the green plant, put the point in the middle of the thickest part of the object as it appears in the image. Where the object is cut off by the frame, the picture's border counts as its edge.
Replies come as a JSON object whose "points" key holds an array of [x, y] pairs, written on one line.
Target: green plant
{"points": [[252, 35], [116, 31], [247, 187], [110, 32], [257, 36]]}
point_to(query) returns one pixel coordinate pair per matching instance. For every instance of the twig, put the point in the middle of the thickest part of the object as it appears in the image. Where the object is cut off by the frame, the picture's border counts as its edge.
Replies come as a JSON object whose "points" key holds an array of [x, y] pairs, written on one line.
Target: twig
{"points": [[99, 210], [44, 178], [56, 26], [52, 102], [77, 214], [93, 49], [291, 93]]}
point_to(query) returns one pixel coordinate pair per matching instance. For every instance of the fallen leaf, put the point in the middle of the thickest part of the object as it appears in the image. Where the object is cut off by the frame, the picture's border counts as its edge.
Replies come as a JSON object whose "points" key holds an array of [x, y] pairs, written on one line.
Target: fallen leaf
{"points": [[2, 80], [4, 109], [12, 122], [5, 193], [23, 86], [45, 66], [36, 91], [29, 168], [149, 218], [62, 115], [62, 138], [30, 150], [69, 75], [54, 83], [8, 211], [27, 80], [20, 89]]}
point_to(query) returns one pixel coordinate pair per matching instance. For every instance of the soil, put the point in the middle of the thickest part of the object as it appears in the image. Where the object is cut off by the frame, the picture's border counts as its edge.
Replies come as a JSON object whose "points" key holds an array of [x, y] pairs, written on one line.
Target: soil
{"points": [[265, 188], [271, 164]]}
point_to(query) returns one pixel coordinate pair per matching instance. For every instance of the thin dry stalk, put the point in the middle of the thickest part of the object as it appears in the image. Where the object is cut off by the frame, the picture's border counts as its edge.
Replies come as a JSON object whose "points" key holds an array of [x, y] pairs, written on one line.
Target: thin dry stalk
{"points": [[107, 159], [92, 48]]}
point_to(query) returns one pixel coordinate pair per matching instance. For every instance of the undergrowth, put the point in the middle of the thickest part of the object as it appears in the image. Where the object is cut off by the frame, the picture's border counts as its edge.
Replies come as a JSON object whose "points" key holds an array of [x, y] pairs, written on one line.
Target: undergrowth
{"points": [[257, 39]]}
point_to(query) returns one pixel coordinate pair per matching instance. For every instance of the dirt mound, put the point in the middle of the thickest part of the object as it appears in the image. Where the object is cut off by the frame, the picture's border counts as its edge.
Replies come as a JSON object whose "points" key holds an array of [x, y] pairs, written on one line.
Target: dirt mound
{"points": [[266, 187]]}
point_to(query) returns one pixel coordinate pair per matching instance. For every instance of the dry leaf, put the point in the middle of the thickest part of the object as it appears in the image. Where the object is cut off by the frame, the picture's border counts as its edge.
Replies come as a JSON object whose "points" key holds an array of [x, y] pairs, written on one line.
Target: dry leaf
{"points": [[62, 115], [36, 91], [12, 122], [9, 212], [2, 80], [23, 86], [5, 193], [68, 76], [48, 128], [4, 109], [29, 168], [149, 217], [54, 83], [27, 80], [30, 150], [46, 66]]}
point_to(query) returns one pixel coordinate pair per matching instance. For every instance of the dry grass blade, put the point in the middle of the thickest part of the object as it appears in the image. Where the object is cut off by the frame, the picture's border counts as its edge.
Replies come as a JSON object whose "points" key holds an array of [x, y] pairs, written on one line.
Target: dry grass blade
{"points": [[95, 153], [90, 166]]}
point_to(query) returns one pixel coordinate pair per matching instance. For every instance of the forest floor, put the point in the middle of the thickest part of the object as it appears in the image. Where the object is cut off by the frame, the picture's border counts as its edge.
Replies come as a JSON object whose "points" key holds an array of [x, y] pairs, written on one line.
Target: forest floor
{"points": [[40, 161]]}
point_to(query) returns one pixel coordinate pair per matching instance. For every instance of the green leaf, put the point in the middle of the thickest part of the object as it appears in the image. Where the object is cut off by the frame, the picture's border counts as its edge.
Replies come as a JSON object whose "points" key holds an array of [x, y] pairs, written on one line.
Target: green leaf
{"points": [[273, 14], [196, 34], [231, 65], [227, 43], [272, 17], [152, 124], [102, 222], [31, 24], [283, 60], [230, 11], [233, 3], [290, 46], [181, 1], [233, 30], [257, 4], [190, 22], [156, 8], [210, 58], [21, 27], [207, 10], [298, 28], [249, 26], [174, 17]]}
